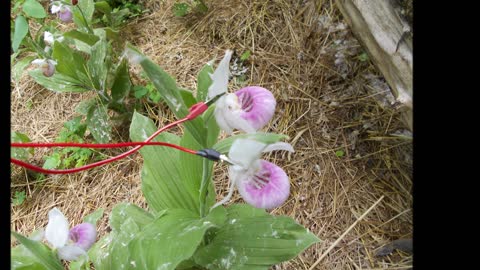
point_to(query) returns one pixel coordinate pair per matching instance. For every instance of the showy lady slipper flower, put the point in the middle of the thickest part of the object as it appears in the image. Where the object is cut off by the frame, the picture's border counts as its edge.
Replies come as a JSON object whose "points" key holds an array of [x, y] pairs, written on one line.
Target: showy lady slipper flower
{"points": [[260, 183], [49, 39], [70, 244], [46, 65], [248, 109], [64, 12]]}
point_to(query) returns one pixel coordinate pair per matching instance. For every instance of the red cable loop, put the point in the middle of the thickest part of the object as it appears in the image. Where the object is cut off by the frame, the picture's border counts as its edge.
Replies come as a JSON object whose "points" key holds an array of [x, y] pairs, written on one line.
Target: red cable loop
{"points": [[194, 111], [101, 145]]}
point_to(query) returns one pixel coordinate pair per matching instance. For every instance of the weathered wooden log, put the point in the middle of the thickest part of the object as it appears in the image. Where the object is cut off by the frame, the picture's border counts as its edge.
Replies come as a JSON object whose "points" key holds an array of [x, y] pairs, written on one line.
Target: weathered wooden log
{"points": [[385, 35]]}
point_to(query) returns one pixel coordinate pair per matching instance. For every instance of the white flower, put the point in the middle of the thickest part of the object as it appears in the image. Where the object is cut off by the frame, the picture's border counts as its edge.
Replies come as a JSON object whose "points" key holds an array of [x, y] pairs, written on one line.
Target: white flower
{"points": [[248, 109], [56, 5], [70, 244], [260, 183], [49, 38]]}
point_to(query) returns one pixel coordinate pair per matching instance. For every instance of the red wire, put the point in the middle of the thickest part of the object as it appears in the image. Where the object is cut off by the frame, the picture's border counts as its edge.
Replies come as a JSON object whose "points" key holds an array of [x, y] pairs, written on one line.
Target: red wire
{"points": [[194, 111], [101, 145]]}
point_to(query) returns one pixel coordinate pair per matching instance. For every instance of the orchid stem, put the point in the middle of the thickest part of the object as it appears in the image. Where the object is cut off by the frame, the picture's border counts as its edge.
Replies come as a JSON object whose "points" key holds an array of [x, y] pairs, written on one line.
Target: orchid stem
{"points": [[204, 186], [90, 31]]}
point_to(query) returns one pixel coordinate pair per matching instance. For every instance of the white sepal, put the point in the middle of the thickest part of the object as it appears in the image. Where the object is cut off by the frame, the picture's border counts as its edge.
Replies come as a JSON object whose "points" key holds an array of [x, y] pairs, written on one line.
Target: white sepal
{"points": [[56, 231], [278, 146], [220, 76], [38, 62], [56, 7], [70, 252], [244, 152], [48, 38]]}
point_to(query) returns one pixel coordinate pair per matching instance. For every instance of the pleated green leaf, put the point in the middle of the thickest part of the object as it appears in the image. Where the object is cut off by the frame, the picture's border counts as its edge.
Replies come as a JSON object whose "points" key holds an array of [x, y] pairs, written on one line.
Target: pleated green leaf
{"points": [[253, 239], [163, 184]]}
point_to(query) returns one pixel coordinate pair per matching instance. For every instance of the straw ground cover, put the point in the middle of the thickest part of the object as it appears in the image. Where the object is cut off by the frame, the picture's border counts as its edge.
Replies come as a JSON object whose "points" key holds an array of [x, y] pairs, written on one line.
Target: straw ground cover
{"points": [[351, 174]]}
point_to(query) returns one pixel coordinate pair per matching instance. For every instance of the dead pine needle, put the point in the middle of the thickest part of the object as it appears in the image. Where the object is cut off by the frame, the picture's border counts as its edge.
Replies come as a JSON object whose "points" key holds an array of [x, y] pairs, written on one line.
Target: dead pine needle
{"points": [[345, 233]]}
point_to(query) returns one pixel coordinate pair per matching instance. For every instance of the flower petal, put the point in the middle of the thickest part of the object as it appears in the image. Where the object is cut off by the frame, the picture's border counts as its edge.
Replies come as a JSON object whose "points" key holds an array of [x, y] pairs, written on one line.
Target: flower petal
{"points": [[257, 105], [233, 177], [56, 231], [48, 68], [222, 123], [83, 235], [228, 114], [48, 38], [235, 120], [268, 188], [38, 61], [220, 76], [55, 8], [70, 252], [65, 14], [244, 152], [278, 146]]}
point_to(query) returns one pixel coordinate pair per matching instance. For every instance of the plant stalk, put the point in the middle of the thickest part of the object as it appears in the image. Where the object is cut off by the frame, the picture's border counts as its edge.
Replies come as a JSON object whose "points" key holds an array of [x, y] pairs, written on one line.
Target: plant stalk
{"points": [[204, 187], [90, 31]]}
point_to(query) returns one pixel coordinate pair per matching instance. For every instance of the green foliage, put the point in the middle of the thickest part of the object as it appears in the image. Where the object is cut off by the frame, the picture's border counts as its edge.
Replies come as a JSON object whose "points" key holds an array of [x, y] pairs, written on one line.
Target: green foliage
{"points": [[20, 153], [340, 153], [43, 255], [21, 30], [122, 83], [73, 131], [251, 238], [161, 182], [245, 55], [65, 56], [20, 66], [203, 82], [363, 57], [122, 211], [170, 93], [58, 82], [93, 217], [22, 259], [83, 14], [97, 65], [80, 264], [149, 91], [34, 9], [18, 198], [181, 9], [224, 145], [114, 13], [89, 39], [138, 246], [179, 230], [97, 122]]}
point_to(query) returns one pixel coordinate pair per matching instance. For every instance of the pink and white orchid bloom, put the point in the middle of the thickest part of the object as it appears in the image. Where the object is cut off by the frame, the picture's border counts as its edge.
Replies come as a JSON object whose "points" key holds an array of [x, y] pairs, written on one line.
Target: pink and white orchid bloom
{"points": [[248, 109], [260, 183], [64, 12], [69, 244], [46, 65]]}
